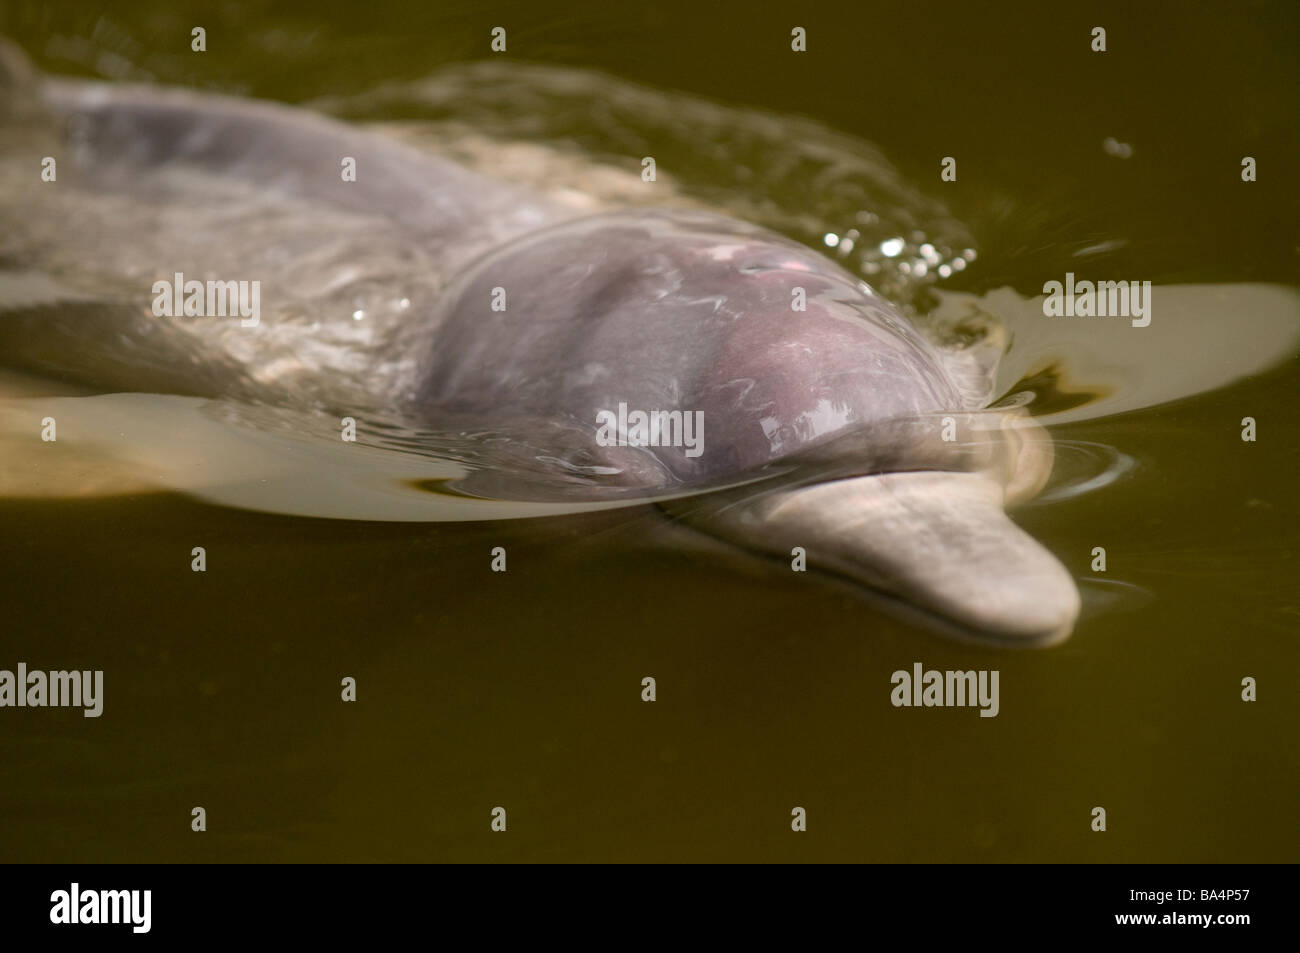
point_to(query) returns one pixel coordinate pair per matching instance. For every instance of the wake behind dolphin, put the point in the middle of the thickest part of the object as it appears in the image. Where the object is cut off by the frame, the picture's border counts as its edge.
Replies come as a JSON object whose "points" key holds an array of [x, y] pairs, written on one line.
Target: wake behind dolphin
{"points": [[421, 296]]}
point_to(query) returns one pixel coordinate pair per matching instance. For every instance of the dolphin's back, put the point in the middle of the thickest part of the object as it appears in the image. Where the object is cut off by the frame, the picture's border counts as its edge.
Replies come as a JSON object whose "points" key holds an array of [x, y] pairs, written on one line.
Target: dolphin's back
{"points": [[122, 134]]}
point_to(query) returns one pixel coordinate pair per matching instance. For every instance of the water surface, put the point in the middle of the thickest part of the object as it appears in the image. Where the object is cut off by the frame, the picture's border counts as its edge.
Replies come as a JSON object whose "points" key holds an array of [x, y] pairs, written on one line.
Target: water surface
{"points": [[523, 689]]}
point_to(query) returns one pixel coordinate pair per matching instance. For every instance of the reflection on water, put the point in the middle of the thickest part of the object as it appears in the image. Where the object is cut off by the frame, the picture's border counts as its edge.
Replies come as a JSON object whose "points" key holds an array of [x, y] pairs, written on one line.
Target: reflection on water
{"points": [[1046, 393], [1081, 467], [288, 460]]}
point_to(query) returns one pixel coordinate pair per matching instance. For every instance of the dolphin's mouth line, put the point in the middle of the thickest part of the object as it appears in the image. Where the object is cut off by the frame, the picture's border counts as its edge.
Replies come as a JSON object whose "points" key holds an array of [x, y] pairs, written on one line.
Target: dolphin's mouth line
{"points": [[941, 626]]}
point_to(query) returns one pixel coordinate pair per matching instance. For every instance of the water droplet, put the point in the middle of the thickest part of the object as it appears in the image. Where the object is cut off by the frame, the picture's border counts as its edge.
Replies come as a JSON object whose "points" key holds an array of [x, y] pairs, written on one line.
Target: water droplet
{"points": [[1120, 150]]}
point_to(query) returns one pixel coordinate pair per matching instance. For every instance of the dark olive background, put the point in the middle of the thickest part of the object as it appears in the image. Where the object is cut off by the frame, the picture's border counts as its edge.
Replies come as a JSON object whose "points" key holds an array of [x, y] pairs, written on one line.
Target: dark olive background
{"points": [[523, 689]]}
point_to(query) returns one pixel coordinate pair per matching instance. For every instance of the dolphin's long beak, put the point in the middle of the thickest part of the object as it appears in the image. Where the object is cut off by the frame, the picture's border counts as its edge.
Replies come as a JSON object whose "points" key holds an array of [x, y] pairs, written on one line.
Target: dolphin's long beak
{"points": [[937, 540]]}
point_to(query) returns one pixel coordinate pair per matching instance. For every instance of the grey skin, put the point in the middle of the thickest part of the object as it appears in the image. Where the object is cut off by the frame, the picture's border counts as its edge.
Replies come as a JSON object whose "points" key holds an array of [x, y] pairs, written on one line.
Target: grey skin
{"points": [[824, 429]]}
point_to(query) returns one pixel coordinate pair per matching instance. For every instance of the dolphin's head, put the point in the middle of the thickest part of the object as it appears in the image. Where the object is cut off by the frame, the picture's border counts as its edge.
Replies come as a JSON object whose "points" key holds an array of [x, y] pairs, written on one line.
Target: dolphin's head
{"points": [[863, 448]]}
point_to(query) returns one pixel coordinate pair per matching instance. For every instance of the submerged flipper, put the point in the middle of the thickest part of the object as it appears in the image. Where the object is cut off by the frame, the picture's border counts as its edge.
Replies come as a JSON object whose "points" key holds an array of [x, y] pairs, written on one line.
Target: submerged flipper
{"points": [[939, 541]]}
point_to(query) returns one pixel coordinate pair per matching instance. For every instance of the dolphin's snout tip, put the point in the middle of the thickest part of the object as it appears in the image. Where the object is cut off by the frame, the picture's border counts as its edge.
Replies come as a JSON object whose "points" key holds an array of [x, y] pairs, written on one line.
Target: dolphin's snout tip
{"points": [[1040, 611]]}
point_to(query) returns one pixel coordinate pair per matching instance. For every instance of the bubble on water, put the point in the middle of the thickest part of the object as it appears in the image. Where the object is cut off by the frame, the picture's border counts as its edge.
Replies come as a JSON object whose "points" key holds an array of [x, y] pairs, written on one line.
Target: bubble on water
{"points": [[831, 239], [358, 314], [891, 247]]}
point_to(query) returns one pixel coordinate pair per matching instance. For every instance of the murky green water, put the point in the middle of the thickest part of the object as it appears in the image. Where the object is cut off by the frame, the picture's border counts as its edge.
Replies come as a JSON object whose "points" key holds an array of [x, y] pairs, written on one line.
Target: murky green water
{"points": [[478, 689]]}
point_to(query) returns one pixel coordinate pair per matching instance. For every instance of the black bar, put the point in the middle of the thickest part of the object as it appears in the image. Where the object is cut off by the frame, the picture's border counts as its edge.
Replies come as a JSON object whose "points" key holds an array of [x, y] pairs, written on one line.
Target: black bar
{"points": [[382, 901]]}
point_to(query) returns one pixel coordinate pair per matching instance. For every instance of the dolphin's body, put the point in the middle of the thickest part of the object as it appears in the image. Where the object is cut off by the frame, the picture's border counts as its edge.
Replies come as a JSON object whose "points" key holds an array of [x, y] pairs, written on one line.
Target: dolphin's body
{"points": [[832, 425]]}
